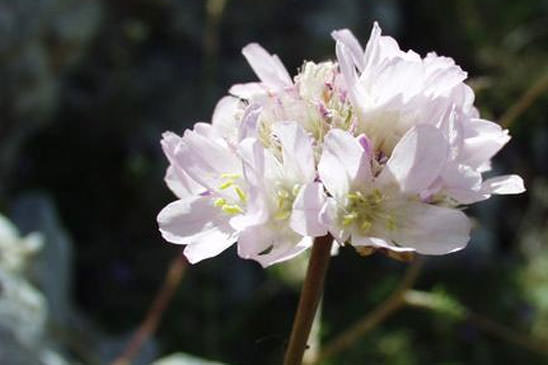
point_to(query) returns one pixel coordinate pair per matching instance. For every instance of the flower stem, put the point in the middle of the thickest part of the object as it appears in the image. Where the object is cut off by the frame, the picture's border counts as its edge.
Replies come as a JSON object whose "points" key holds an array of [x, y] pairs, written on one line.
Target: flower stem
{"points": [[310, 297], [152, 320]]}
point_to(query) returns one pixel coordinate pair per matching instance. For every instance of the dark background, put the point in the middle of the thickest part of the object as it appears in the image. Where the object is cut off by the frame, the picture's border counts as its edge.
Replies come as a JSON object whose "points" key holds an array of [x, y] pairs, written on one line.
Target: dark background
{"points": [[89, 86]]}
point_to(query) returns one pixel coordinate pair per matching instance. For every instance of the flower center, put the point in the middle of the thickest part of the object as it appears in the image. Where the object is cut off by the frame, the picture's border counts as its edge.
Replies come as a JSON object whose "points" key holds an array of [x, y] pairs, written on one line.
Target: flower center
{"points": [[284, 202], [364, 211], [233, 207]]}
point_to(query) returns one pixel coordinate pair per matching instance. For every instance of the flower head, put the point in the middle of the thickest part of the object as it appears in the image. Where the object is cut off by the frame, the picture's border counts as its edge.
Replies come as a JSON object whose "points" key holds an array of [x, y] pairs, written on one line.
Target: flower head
{"points": [[381, 149]]}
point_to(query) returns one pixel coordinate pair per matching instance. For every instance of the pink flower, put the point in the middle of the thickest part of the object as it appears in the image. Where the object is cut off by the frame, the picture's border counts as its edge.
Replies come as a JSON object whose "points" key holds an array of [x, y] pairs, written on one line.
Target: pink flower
{"points": [[380, 149], [384, 210]]}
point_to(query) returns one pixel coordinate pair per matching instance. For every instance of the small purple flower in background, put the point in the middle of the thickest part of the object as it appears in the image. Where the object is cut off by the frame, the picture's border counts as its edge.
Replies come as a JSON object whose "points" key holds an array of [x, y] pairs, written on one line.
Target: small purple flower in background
{"points": [[380, 149]]}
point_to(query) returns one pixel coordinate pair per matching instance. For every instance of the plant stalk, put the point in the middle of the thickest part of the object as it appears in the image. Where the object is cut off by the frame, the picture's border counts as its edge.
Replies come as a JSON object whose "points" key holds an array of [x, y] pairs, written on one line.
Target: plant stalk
{"points": [[310, 297]]}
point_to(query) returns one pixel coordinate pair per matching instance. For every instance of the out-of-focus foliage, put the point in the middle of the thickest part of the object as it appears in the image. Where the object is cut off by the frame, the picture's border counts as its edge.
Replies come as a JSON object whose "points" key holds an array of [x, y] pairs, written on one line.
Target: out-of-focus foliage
{"points": [[23, 308], [533, 275], [88, 86]]}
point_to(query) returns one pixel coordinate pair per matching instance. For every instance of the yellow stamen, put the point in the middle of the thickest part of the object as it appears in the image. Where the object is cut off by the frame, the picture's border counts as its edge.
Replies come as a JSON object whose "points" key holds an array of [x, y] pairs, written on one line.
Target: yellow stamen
{"points": [[348, 219], [355, 196], [229, 175], [296, 189], [365, 227], [226, 184], [232, 209], [376, 197], [241, 194], [283, 215], [219, 202]]}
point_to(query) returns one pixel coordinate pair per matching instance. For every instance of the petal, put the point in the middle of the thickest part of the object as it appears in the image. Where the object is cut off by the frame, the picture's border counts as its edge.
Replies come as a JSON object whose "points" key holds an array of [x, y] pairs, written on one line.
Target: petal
{"points": [[198, 224], [348, 69], [358, 240], [271, 246], [379, 48], [181, 184], [251, 151], [417, 159], [256, 213], [224, 119], [466, 196], [248, 90], [205, 130], [462, 183], [328, 217], [297, 153], [506, 184], [441, 74], [305, 216], [346, 63], [352, 45], [343, 163], [260, 167], [451, 127], [482, 140], [268, 68], [430, 229], [248, 126], [208, 246], [176, 177], [206, 159]]}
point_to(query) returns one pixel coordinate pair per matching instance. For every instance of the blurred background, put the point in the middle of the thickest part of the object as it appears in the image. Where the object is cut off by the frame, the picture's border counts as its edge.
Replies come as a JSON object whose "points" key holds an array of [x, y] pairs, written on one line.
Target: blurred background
{"points": [[89, 86]]}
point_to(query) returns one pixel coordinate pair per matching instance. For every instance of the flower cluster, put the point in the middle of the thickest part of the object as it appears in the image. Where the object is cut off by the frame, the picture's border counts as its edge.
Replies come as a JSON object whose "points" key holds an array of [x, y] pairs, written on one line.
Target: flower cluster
{"points": [[380, 149]]}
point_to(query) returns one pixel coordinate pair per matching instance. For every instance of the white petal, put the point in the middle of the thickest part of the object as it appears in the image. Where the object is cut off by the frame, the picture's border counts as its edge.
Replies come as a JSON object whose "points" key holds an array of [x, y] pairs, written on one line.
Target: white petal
{"points": [[268, 67], [462, 183], [441, 74], [176, 177], [256, 213], [207, 246], [297, 153], [346, 63], [430, 229], [482, 140], [352, 45], [464, 196], [181, 184], [260, 167], [224, 116], [506, 184], [197, 224], [183, 219], [205, 159], [343, 163], [328, 217], [358, 240], [417, 159], [248, 126], [451, 128], [205, 130], [282, 245], [348, 70], [248, 91], [380, 48], [251, 151], [305, 216]]}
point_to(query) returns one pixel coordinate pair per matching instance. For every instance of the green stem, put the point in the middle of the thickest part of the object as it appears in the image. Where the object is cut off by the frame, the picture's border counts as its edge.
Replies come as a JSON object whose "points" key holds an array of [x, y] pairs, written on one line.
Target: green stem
{"points": [[310, 297]]}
